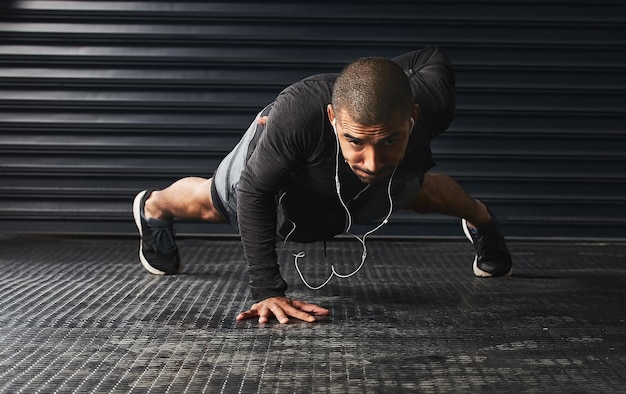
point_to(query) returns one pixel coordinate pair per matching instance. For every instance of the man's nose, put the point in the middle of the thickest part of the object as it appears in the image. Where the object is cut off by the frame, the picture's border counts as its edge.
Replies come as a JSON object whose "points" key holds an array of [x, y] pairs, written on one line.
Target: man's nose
{"points": [[372, 160]]}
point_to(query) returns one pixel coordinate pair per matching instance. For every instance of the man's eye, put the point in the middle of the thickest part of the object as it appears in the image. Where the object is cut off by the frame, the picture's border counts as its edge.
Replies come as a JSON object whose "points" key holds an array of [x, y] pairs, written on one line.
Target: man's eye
{"points": [[355, 142], [390, 142]]}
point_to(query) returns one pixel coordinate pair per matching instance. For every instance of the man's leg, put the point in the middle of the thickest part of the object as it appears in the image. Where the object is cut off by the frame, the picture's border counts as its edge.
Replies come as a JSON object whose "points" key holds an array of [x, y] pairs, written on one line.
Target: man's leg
{"points": [[154, 211], [442, 194], [188, 198]]}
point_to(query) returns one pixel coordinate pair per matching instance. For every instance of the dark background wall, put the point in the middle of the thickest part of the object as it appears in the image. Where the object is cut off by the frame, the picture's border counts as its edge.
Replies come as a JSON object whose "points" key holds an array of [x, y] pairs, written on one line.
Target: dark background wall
{"points": [[100, 99]]}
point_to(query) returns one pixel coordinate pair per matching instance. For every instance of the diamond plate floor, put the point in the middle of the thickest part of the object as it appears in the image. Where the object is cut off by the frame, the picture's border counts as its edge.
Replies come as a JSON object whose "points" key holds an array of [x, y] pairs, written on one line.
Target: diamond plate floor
{"points": [[81, 315]]}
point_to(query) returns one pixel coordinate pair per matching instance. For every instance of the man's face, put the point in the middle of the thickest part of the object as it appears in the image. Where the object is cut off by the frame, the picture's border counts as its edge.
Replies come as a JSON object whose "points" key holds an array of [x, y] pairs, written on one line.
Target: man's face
{"points": [[372, 151]]}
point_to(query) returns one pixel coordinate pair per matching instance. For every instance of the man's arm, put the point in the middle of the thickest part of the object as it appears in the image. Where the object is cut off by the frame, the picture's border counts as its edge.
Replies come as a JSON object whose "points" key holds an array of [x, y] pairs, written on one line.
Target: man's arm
{"points": [[283, 146]]}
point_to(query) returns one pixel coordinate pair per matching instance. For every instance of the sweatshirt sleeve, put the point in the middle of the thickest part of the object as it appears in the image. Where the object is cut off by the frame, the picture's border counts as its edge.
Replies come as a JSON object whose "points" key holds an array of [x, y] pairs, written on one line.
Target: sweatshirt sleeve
{"points": [[432, 80], [284, 145]]}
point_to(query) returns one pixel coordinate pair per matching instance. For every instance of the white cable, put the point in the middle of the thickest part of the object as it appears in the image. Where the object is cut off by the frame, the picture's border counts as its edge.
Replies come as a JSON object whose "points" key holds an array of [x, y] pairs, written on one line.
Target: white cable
{"points": [[362, 239], [301, 254]]}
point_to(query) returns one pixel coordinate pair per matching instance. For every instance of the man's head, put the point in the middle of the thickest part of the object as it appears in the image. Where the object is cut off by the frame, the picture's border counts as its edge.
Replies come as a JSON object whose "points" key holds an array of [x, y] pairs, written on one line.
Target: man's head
{"points": [[373, 114]]}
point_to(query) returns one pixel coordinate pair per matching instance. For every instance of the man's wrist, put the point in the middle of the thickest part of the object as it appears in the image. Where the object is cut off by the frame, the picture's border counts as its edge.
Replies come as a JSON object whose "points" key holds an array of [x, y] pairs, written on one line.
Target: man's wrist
{"points": [[262, 294]]}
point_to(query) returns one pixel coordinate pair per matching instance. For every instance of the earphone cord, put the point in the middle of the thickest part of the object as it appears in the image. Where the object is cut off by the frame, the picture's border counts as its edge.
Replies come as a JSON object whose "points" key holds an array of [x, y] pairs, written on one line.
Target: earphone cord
{"points": [[362, 239], [301, 254]]}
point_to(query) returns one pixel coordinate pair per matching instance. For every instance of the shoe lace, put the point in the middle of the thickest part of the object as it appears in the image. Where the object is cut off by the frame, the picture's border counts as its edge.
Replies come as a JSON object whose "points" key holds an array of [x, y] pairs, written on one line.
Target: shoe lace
{"points": [[490, 243], [163, 239]]}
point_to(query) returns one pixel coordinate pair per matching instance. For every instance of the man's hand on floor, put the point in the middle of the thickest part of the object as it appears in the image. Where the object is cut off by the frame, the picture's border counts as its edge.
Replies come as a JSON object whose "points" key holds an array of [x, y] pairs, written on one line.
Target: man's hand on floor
{"points": [[282, 308]]}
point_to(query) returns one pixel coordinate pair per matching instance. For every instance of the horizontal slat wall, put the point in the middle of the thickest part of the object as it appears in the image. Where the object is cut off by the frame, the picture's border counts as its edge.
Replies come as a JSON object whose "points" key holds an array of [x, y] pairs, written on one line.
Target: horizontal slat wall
{"points": [[100, 99]]}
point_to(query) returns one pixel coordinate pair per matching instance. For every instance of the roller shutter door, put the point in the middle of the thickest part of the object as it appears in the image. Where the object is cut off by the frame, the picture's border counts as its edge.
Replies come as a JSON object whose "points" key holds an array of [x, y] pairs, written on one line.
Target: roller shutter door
{"points": [[100, 99]]}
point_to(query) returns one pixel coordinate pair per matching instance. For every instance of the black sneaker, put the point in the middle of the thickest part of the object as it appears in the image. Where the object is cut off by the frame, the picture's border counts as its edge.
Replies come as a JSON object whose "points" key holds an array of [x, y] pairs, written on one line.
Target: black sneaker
{"points": [[492, 256], [157, 250]]}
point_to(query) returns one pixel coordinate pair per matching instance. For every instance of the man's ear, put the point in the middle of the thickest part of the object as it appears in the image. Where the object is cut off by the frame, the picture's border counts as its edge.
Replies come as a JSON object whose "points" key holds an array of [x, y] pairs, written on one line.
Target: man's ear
{"points": [[415, 113], [331, 113]]}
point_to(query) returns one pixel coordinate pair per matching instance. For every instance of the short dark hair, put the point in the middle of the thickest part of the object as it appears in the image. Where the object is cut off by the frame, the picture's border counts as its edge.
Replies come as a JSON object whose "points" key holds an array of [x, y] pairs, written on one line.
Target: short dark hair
{"points": [[372, 90]]}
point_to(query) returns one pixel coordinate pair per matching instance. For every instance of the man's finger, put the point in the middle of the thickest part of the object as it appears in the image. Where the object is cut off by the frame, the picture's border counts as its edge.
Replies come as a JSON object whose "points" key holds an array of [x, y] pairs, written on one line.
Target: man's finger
{"points": [[311, 308], [263, 319], [298, 313], [246, 315], [279, 313]]}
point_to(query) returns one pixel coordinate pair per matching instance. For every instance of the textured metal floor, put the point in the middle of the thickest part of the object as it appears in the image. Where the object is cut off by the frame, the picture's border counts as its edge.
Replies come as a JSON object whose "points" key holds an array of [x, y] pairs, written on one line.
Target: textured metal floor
{"points": [[81, 315]]}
